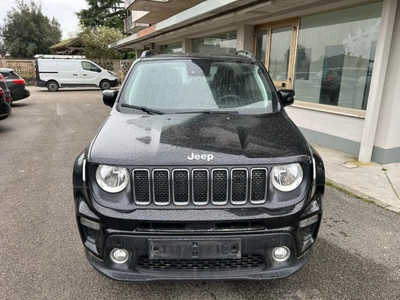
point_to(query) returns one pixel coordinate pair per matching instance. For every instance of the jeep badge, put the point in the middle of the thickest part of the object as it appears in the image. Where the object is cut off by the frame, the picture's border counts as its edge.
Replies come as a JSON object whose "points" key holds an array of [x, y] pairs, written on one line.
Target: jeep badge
{"points": [[206, 157]]}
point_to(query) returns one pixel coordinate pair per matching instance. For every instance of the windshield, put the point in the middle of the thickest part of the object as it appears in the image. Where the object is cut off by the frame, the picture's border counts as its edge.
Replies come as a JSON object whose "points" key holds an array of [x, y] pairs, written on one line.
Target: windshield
{"points": [[200, 85]]}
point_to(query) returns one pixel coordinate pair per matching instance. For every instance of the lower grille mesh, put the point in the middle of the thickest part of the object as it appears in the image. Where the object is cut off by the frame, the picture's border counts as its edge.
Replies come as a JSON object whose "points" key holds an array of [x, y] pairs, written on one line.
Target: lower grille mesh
{"points": [[246, 262]]}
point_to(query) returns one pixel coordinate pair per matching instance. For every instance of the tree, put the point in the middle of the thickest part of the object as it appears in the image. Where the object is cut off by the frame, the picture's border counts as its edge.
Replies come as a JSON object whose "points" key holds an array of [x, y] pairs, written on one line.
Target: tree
{"points": [[96, 41], [110, 13], [28, 32]]}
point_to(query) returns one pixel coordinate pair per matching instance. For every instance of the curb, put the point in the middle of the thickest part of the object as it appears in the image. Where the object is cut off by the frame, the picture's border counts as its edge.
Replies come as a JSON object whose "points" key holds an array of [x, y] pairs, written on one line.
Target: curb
{"points": [[361, 196]]}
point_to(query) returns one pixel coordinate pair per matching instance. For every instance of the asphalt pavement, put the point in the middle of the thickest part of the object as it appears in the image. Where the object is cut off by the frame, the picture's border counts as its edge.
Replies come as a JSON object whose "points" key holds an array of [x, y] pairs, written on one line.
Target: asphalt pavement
{"points": [[41, 255]]}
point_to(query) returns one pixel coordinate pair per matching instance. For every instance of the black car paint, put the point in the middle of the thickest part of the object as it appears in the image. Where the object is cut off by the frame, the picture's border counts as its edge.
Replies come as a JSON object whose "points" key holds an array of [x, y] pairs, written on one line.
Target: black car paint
{"points": [[5, 109], [138, 139], [168, 139], [6, 90], [18, 91]]}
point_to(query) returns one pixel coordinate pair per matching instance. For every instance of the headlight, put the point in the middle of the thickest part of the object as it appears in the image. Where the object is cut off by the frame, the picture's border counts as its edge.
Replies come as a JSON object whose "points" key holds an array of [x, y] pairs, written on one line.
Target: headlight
{"points": [[112, 179], [286, 178]]}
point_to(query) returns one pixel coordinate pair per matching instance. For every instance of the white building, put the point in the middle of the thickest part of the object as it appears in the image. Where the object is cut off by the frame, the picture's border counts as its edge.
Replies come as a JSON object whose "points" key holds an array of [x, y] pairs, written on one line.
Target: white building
{"points": [[341, 58]]}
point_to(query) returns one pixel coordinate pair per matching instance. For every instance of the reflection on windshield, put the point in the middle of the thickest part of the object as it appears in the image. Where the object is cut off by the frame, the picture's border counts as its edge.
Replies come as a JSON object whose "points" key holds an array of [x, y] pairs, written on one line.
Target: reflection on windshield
{"points": [[199, 85]]}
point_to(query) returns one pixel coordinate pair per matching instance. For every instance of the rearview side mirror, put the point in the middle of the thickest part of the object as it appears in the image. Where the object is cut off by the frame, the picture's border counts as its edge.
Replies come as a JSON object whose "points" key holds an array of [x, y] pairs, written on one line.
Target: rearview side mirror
{"points": [[287, 96], [109, 97]]}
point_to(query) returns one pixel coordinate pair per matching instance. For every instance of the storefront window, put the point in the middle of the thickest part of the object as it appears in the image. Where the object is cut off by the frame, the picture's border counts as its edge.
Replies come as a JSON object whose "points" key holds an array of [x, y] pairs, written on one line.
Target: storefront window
{"points": [[279, 52], [223, 43], [335, 56], [261, 45], [171, 48]]}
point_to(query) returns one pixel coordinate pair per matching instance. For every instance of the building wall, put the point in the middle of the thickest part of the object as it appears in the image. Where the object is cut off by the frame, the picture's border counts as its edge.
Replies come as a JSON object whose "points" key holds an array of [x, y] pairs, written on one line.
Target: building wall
{"points": [[335, 131], [387, 137], [245, 39]]}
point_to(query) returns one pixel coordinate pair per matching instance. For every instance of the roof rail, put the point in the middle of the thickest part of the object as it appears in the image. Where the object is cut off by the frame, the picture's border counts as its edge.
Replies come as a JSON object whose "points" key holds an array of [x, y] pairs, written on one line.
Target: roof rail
{"points": [[50, 56], [149, 53], [245, 53]]}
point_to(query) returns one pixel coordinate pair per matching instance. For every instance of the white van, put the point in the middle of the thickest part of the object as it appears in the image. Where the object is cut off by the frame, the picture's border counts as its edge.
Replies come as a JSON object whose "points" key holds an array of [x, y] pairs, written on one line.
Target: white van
{"points": [[56, 71]]}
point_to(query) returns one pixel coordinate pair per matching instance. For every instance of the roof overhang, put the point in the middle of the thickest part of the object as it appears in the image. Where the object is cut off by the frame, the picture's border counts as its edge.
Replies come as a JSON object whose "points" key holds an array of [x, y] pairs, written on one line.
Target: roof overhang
{"points": [[154, 11], [219, 15], [199, 12]]}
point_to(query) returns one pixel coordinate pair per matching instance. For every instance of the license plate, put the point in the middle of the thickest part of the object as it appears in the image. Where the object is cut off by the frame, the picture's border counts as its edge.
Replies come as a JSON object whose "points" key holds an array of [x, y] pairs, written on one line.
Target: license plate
{"points": [[195, 248]]}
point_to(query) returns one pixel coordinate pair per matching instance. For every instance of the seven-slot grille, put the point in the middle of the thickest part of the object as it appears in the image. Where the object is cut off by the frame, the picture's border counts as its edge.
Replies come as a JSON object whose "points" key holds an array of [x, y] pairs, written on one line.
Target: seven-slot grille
{"points": [[217, 186]]}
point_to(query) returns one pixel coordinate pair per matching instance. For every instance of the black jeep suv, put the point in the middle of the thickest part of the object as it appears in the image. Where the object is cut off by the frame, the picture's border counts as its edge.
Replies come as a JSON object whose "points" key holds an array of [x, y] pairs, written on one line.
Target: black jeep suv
{"points": [[198, 173]]}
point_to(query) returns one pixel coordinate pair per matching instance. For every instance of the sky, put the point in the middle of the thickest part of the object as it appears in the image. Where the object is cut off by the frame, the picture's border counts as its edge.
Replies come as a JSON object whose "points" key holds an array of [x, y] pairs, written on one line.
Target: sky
{"points": [[62, 10]]}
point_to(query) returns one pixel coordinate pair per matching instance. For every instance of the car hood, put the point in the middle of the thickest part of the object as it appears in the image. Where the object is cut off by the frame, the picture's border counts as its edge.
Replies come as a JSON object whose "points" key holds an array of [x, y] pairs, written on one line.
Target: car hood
{"points": [[216, 139]]}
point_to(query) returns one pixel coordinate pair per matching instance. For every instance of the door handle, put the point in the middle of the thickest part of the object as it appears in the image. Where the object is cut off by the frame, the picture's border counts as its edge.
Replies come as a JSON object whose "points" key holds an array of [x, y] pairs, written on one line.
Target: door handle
{"points": [[84, 74], [74, 74]]}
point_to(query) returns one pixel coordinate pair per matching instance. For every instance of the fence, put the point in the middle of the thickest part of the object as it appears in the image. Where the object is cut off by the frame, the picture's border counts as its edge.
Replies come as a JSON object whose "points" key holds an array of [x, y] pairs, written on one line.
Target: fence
{"points": [[26, 68]]}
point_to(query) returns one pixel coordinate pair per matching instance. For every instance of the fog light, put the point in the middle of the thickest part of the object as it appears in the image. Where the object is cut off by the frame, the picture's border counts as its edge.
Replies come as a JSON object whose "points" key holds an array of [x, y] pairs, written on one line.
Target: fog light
{"points": [[281, 253], [119, 256]]}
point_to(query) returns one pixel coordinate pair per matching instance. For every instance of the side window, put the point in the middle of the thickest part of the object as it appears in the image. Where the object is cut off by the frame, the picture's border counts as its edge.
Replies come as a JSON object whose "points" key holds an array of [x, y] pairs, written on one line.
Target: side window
{"points": [[90, 67]]}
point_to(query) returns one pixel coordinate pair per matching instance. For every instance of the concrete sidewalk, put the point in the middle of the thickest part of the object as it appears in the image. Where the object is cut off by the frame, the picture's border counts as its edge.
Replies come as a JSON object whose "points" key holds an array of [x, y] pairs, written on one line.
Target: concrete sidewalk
{"points": [[377, 183]]}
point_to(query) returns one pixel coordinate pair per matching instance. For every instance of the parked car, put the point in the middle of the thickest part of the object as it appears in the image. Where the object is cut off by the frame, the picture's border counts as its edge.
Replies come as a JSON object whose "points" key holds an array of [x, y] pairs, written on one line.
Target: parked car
{"points": [[198, 173], [16, 84], [7, 93], [5, 109], [56, 71]]}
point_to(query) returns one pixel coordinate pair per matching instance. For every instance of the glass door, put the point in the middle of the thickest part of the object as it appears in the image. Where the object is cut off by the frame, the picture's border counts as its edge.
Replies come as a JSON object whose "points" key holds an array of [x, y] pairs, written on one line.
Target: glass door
{"points": [[275, 47]]}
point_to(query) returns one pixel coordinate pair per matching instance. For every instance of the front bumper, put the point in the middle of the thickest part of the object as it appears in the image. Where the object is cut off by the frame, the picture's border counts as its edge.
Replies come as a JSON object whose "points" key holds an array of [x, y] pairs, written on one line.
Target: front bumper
{"points": [[256, 262], [257, 234], [114, 83]]}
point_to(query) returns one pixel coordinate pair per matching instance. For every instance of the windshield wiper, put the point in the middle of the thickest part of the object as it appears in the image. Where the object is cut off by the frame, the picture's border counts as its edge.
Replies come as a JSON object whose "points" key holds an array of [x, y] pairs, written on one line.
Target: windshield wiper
{"points": [[143, 108], [208, 112]]}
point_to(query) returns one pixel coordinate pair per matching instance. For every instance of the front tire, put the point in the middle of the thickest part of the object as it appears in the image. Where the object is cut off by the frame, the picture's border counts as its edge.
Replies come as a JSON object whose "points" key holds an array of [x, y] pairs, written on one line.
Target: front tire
{"points": [[105, 85], [52, 86]]}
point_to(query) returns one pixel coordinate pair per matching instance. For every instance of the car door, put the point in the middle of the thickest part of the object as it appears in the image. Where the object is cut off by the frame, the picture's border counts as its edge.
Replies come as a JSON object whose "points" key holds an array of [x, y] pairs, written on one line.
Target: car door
{"points": [[69, 72], [90, 73]]}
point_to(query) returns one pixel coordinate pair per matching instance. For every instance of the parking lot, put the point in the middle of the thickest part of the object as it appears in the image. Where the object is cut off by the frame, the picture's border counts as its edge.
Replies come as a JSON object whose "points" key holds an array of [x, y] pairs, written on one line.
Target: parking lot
{"points": [[41, 256]]}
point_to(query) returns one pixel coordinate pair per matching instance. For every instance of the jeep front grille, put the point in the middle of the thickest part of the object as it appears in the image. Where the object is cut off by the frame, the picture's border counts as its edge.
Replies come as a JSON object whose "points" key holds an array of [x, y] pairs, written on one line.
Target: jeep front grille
{"points": [[200, 187], [182, 187], [161, 187], [258, 187], [219, 186], [239, 186], [141, 187]]}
